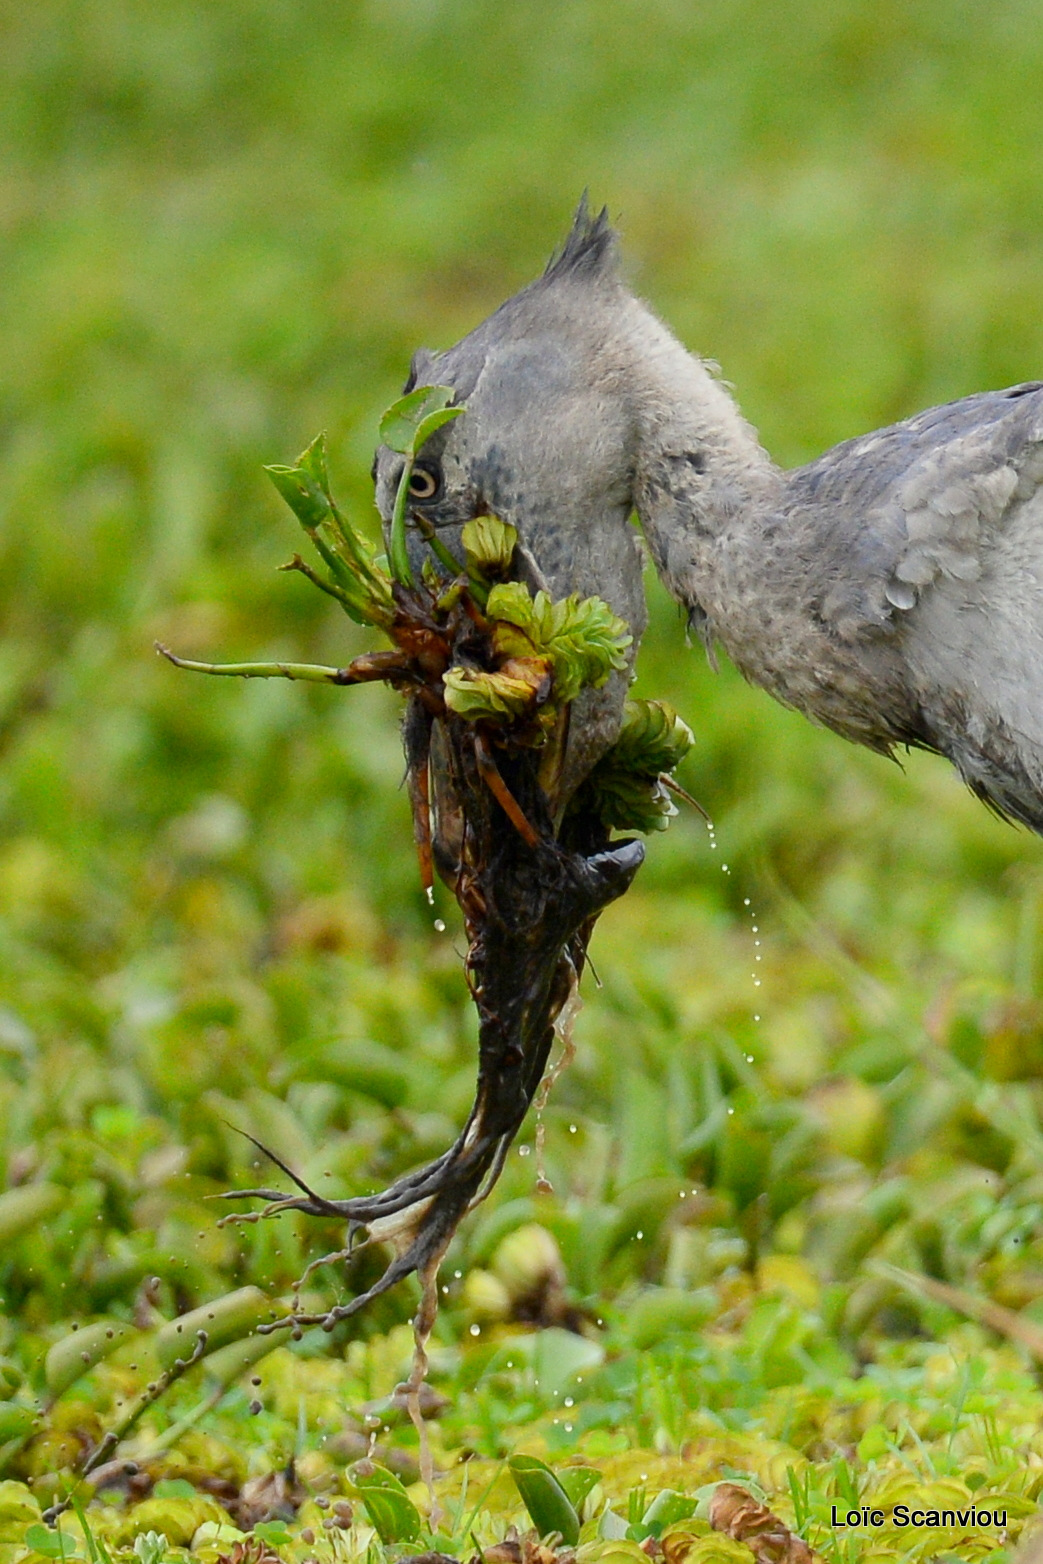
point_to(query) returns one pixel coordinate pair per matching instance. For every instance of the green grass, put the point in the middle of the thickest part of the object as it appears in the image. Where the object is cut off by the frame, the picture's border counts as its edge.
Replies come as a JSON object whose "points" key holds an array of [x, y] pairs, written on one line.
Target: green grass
{"points": [[223, 227]]}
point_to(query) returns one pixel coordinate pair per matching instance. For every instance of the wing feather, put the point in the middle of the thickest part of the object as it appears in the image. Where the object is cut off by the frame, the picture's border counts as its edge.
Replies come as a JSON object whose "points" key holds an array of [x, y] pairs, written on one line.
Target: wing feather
{"points": [[931, 494]]}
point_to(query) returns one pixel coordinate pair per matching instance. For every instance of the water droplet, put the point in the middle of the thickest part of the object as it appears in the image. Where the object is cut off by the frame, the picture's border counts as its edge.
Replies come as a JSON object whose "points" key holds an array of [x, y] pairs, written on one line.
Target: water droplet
{"points": [[476, 1330], [725, 869], [756, 1018], [568, 1402], [568, 1428], [523, 1151], [429, 891], [439, 925], [746, 901], [458, 1274], [731, 1110], [572, 1129], [756, 982]]}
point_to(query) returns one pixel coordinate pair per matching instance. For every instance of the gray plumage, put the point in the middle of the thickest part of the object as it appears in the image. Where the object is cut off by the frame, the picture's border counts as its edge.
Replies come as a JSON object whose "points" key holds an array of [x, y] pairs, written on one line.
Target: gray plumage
{"points": [[892, 590]]}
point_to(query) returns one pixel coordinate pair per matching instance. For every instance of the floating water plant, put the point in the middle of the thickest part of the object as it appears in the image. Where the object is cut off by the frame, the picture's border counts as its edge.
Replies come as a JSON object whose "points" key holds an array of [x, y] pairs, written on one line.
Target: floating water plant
{"points": [[489, 671]]}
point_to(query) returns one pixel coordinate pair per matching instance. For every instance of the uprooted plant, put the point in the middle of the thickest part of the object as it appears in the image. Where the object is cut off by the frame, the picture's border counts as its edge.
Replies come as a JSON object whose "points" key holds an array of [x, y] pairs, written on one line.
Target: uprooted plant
{"points": [[489, 671]]}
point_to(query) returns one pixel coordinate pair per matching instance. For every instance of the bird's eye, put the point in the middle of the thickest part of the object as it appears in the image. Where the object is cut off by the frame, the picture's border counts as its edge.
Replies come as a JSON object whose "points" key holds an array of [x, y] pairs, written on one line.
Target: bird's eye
{"points": [[423, 484]]}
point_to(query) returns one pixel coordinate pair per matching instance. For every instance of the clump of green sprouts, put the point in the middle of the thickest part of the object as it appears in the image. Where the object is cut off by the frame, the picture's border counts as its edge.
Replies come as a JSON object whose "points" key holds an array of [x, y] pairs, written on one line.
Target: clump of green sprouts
{"points": [[539, 653]]}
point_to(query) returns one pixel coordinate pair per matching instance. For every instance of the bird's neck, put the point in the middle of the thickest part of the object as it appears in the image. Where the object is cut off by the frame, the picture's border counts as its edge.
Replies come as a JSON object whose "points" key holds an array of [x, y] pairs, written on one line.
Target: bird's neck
{"points": [[703, 484]]}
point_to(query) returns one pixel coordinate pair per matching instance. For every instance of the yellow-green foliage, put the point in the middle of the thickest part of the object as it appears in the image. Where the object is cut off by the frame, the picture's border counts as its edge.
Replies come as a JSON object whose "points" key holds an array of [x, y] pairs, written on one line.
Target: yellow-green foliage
{"points": [[625, 787], [226, 226]]}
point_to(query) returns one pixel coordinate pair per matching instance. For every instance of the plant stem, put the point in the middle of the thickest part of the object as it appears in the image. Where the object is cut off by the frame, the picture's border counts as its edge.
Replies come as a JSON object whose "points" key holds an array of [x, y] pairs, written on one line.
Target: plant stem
{"points": [[398, 554], [304, 569], [313, 673], [437, 547]]}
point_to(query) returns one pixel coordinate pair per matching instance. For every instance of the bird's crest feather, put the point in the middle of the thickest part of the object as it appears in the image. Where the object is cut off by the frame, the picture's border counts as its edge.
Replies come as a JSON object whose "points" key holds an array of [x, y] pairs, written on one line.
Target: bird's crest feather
{"points": [[589, 251]]}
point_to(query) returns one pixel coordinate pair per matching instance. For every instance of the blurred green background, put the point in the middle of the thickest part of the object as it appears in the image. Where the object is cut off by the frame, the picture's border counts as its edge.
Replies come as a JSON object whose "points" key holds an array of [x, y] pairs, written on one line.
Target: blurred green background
{"points": [[224, 227]]}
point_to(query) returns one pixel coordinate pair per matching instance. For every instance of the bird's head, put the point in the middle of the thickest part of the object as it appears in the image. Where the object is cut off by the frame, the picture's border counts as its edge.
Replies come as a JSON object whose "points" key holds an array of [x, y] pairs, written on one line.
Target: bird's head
{"points": [[580, 407], [546, 442], [547, 439]]}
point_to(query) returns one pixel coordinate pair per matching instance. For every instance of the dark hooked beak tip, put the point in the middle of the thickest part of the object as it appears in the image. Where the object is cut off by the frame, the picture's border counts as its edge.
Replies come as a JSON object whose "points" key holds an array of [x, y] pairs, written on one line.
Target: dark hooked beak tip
{"points": [[611, 872]]}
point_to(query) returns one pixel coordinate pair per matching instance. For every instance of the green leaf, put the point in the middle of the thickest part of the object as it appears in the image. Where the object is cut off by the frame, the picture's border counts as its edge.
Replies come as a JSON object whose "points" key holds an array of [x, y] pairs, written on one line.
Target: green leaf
{"points": [[625, 802], [667, 1508], [624, 788], [275, 1533], [301, 493], [16, 1421], [357, 1065], [578, 1482], [23, 1208], [653, 739], [520, 624], [584, 638], [489, 544], [78, 1352], [51, 1544], [226, 1319], [312, 462], [588, 642], [362, 588], [174, 1488], [433, 421], [549, 1506], [491, 697], [388, 1505], [228, 1364], [406, 425], [559, 1355], [18, 1508], [402, 423]]}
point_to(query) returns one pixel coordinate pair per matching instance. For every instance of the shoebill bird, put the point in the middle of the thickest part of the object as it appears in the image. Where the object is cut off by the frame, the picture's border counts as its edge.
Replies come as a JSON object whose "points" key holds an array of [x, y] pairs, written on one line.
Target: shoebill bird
{"points": [[892, 590]]}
